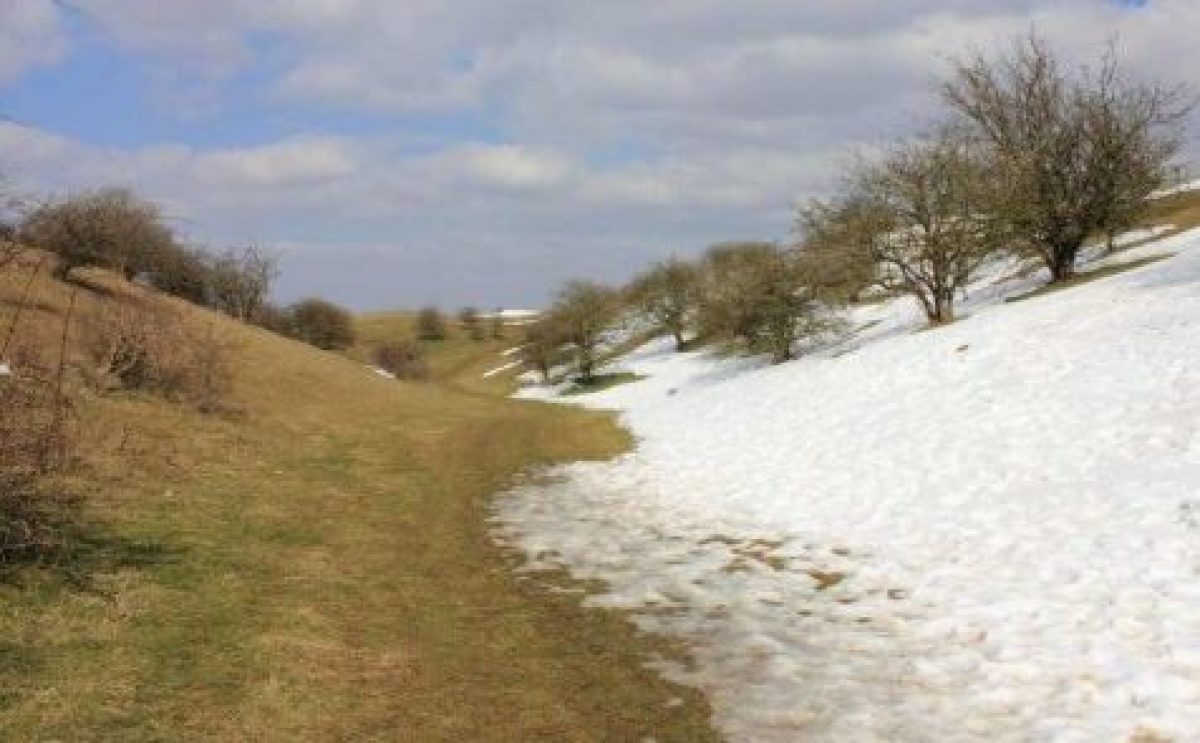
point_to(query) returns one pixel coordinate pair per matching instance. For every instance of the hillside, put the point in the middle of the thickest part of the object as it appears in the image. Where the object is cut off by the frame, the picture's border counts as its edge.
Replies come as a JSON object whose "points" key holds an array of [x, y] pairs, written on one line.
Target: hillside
{"points": [[981, 532], [312, 565]]}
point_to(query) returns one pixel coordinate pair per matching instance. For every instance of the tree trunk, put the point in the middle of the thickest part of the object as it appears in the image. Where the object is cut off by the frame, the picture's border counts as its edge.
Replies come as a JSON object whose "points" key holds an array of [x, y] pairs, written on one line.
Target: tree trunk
{"points": [[1062, 264], [940, 311]]}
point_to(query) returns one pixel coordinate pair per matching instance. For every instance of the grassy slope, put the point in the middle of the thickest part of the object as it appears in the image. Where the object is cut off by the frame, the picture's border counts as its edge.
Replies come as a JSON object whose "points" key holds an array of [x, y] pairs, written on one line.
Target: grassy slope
{"points": [[457, 361], [319, 569]]}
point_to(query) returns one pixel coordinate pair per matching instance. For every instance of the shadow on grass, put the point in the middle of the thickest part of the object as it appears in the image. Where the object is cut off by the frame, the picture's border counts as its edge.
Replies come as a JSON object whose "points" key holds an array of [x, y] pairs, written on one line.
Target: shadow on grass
{"points": [[601, 382], [50, 536], [1089, 276]]}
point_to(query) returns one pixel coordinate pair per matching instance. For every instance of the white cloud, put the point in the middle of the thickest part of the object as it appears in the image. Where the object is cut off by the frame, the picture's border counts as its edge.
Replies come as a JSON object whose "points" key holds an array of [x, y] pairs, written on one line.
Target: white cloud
{"points": [[615, 129], [30, 35]]}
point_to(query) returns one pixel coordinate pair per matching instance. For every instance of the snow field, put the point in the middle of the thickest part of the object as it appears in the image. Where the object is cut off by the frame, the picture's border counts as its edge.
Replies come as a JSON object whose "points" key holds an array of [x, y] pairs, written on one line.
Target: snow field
{"points": [[988, 531]]}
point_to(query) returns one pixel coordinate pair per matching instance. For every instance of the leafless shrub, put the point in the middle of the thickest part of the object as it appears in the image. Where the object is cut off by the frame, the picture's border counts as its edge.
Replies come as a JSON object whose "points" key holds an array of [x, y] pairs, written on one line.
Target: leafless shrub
{"points": [[209, 380], [142, 347], [240, 281], [404, 359], [37, 517]]}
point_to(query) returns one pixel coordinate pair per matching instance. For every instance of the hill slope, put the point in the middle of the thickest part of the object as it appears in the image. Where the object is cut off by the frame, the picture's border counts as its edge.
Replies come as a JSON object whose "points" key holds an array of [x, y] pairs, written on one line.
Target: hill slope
{"points": [[315, 566], [988, 531]]}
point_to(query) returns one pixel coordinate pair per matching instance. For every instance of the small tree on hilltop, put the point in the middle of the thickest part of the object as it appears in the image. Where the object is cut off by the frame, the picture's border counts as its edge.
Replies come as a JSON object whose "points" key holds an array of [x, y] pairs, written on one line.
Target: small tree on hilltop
{"points": [[1073, 155], [431, 326], [241, 281], [669, 293], [583, 313], [109, 228]]}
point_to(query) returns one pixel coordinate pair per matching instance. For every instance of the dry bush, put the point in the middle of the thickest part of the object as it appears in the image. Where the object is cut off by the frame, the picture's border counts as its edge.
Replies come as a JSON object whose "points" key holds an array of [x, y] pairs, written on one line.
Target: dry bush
{"points": [[240, 281], [431, 325], [37, 518], [405, 359], [323, 324], [143, 347], [112, 228]]}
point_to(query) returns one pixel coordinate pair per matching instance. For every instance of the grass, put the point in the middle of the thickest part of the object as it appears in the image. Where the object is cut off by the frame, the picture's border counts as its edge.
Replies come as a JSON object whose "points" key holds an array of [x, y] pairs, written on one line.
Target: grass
{"points": [[457, 361], [1182, 210], [601, 382], [1085, 277], [319, 567]]}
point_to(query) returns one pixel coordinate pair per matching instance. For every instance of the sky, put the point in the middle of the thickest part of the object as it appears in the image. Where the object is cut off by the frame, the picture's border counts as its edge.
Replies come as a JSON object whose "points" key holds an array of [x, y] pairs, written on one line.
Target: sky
{"points": [[396, 153]]}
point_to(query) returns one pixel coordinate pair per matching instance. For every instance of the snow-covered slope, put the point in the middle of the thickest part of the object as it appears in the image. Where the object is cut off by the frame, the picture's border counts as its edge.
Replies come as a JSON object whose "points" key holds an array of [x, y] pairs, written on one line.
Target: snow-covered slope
{"points": [[988, 531]]}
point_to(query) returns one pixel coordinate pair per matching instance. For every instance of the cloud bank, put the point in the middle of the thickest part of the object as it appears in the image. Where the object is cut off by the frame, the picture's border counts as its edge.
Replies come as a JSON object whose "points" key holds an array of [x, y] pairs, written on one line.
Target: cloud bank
{"points": [[517, 143]]}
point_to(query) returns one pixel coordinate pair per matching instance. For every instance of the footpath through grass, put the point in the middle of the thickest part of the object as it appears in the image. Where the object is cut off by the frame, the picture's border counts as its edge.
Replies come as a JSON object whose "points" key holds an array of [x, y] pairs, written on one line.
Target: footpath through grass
{"points": [[318, 568]]}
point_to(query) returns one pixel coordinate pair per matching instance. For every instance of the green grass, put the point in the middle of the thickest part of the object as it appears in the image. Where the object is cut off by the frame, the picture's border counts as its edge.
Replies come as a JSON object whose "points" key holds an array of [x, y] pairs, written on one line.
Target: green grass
{"points": [[322, 570], [1085, 277], [601, 382]]}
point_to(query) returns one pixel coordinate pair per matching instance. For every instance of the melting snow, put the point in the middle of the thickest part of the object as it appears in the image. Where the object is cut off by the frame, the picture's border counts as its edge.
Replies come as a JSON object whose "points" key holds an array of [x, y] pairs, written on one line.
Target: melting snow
{"points": [[989, 531], [501, 369]]}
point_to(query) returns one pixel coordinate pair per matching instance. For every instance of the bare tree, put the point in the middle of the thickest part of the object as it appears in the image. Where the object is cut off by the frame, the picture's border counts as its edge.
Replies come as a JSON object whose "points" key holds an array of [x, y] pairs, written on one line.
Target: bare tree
{"points": [[583, 313], [1063, 143], [542, 345], [921, 215], [241, 281], [669, 293]]}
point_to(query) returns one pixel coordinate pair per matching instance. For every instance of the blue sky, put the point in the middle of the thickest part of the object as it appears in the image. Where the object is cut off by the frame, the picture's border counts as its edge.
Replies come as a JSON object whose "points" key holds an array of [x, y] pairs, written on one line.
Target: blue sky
{"points": [[482, 151]]}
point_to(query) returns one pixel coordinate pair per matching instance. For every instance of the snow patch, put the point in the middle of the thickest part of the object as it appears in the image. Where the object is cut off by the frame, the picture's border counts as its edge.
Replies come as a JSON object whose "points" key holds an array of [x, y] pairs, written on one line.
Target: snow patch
{"points": [[500, 369], [988, 531]]}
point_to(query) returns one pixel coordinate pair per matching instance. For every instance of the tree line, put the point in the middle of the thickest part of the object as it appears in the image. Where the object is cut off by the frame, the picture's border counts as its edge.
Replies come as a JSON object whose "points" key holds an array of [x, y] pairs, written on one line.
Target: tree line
{"points": [[115, 229], [1030, 158]]}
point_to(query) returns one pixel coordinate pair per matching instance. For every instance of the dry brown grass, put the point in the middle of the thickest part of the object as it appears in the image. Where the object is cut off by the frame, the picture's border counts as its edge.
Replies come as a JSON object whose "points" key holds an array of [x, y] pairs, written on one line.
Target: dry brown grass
{"points": [[458, 361], [318, 567]]}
